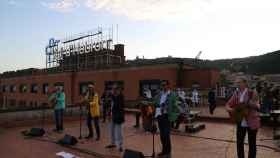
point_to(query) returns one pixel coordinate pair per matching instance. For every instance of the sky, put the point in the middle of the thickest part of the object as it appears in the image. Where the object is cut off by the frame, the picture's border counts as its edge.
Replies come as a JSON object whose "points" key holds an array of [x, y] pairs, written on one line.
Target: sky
{"points": [[150, 28]]}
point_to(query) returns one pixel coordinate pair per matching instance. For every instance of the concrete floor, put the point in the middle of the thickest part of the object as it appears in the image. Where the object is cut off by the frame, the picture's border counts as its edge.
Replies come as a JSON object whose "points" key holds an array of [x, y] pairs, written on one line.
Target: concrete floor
{"points": [[13, 144]]}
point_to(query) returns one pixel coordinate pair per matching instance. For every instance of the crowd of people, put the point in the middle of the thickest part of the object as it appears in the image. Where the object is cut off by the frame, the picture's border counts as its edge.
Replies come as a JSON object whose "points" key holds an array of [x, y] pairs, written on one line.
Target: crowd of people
{"points": [[269, 95]]}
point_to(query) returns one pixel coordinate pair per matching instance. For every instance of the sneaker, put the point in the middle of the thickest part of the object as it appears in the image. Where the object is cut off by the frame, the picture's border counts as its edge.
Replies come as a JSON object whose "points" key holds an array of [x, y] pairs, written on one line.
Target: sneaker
{"points": [[110, 146], [97, 139]]}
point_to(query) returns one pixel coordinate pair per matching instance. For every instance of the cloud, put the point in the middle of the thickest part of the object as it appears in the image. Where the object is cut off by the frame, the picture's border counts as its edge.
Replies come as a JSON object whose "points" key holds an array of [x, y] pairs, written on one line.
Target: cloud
{"points": [[12, 2], [145, 9], [62, 5]]}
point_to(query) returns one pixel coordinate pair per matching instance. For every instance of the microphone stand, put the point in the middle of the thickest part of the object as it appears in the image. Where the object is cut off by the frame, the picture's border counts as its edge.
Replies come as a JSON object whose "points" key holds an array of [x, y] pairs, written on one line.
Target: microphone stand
{"points": [[153, 130], [81, 114], [43, 116]]}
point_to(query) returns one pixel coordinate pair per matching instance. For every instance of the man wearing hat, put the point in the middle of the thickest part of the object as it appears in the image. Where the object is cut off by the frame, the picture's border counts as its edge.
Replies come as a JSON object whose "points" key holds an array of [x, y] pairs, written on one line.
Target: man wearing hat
{"points": [[167, 111], [93, 110]]}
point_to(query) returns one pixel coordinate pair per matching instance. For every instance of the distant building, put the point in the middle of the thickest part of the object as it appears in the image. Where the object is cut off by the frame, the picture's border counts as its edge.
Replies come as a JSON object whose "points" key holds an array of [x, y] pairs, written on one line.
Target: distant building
{"points": [[28, 88]]}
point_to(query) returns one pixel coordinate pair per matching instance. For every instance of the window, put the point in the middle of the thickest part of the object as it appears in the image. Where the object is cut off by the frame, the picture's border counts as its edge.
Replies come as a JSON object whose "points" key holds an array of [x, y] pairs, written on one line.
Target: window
{"points": [[34, 88], [23, 88], [152, 85], [5, 88], [45, 88], [13, 88]]}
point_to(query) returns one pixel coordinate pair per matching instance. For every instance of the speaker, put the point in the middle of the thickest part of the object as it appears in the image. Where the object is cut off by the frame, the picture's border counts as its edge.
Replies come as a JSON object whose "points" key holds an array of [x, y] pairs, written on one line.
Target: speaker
{"points": [[68, 140], [36, 132], [132, 154]]}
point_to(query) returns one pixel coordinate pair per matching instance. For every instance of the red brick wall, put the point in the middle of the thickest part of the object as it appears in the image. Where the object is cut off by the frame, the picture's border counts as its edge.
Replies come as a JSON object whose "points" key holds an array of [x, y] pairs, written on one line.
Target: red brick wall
{"points": [[130, 77], [207, 78], [40, 80]]}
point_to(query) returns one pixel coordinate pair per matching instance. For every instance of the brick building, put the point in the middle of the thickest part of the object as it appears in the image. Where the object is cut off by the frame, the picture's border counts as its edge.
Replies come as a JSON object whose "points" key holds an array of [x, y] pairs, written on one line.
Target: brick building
{"points": [[27, 88]]}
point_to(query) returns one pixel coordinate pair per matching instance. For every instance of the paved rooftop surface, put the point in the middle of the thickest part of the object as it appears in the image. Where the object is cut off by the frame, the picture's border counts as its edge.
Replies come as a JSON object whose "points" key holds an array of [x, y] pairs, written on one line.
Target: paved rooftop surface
{"points": [[13, 144]]}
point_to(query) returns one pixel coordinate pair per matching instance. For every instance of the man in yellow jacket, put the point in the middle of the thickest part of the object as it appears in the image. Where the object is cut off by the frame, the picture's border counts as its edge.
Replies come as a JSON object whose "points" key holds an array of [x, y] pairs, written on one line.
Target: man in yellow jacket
{"points": [[93, 110]]}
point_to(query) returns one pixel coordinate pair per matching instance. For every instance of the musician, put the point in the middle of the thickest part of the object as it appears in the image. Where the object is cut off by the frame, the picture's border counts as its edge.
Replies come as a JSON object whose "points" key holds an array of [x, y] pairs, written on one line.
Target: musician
{"points": [[212, 101], [244, 106], [57, 98], [106, 103], [166, 112], [93, 110], [117, 119]]}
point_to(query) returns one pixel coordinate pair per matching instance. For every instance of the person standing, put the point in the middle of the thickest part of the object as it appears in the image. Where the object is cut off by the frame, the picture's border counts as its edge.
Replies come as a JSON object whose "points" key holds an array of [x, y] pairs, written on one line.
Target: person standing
{"points": [[57, 99], [195, 98], [166, 112], [117, 119], [212, 101], [244, 106], [93, 110], [106, 103]]}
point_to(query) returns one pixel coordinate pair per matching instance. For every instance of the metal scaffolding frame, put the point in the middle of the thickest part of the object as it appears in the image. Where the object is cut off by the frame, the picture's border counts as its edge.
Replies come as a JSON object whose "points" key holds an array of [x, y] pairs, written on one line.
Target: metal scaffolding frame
{"points": [[87, 50]]}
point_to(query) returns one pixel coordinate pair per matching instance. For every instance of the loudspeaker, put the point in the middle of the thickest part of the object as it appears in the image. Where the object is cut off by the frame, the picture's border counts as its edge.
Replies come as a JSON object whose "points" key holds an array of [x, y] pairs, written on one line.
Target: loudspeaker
{"points": [[36, 132], [68, 140], [132, 154]]}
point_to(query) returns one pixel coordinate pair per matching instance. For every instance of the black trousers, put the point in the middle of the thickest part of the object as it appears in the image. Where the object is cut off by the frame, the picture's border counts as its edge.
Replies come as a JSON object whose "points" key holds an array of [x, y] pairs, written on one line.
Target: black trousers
{"points": [[164, 129], [104, 113], [212, 107], [240, 135], [96, 124], [137, 119], [58, 114]]}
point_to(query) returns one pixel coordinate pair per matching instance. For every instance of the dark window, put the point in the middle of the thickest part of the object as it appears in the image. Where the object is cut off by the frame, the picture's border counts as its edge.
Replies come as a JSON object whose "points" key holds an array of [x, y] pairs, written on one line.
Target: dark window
{"points": [[23, 88], [45, 88], [152, 85], [5, 88], [34, 88], [13, 88]]}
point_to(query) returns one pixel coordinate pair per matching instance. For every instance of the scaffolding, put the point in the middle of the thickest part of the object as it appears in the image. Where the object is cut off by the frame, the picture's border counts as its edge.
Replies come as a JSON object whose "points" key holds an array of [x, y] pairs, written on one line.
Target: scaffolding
{"points": [[88, 50]]}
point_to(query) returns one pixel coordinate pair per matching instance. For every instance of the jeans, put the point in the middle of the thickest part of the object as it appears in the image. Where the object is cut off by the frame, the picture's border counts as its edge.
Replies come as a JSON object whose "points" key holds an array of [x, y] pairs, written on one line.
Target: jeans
{"points": [[58, 115], [252, 134], [96, 124], [116, 134], [164, 129]]}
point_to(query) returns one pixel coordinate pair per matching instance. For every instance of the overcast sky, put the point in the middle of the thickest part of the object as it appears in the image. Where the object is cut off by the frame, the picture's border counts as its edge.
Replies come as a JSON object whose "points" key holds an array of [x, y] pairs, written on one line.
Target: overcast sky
{"points": [[149, 28]]}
